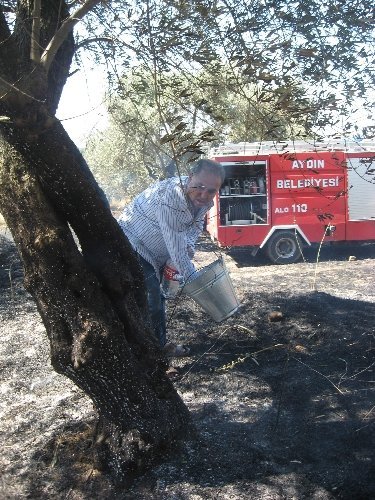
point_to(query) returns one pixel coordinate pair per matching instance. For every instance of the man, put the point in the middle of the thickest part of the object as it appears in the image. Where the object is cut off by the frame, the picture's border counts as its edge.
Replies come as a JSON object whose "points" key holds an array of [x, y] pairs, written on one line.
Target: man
{"points": [[164, 222]]}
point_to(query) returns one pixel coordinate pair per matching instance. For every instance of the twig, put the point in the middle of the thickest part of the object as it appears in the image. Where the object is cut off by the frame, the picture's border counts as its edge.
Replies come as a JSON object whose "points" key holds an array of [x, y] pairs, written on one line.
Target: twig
{"points": [[231, 365], [299, 245], [355, 375], [368, 413], [319, 373], [342, 377], [317, 259], [364, 418], [213, 345], [206, 352], [11, 283]]}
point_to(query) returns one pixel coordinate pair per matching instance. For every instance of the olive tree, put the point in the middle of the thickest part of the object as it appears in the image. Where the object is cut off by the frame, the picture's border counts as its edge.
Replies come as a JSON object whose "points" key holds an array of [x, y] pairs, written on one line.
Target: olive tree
{"points": [[90, 295], [128, 154]]}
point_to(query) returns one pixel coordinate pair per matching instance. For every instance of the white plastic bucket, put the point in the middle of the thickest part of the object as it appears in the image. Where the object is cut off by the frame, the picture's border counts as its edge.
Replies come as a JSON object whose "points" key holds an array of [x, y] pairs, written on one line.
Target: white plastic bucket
{"points": [[213, 290]]}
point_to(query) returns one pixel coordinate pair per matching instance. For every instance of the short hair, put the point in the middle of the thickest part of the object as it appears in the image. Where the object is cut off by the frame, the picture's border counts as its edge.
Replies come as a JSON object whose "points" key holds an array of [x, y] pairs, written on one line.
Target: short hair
{"points": [[208, 166]]}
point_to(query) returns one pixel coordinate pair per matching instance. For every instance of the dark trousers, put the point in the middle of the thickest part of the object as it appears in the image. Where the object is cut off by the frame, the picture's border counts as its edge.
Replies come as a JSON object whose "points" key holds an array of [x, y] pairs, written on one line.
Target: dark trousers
{"points": [[156, 301]]}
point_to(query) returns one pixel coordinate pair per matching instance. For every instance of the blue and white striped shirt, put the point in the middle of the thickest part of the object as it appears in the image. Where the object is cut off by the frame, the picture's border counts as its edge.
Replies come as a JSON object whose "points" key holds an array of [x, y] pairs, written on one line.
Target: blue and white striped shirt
{"points": [[161, 223]]}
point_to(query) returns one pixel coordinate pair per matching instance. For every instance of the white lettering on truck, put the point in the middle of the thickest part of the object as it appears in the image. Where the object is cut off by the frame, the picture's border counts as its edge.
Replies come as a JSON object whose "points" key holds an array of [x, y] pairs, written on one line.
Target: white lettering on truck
{"points": [[296, 207], [308, 163], [304, 183]]}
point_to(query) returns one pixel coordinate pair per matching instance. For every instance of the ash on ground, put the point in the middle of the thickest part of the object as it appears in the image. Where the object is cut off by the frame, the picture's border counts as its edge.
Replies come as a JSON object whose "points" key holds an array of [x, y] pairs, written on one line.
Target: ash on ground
{"points": [[283, 409]]}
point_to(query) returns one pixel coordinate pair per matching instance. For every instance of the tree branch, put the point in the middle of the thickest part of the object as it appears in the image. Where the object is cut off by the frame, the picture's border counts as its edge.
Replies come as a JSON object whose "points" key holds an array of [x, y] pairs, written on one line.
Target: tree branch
{"points": [[35, 32], [88, 41], [61, 34]]}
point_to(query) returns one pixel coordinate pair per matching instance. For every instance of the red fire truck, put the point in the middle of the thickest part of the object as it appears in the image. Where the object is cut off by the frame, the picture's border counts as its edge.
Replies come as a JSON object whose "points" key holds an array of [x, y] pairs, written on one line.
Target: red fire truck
{"points": [[282, 196]]}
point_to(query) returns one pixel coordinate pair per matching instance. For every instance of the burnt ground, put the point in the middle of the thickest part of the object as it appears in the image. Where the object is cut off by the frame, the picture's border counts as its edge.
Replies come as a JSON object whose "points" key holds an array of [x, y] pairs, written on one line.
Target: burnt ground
{"points": [[283, 409]]}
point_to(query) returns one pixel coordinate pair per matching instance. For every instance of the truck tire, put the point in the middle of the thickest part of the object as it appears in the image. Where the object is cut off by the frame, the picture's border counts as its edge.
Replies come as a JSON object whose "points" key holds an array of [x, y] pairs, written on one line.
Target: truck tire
{"points": [[284, 247]]}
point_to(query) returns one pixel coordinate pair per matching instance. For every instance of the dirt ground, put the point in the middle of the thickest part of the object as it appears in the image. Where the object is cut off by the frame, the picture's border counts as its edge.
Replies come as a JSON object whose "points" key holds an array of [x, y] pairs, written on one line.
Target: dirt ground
{"points": [[283, 409]]}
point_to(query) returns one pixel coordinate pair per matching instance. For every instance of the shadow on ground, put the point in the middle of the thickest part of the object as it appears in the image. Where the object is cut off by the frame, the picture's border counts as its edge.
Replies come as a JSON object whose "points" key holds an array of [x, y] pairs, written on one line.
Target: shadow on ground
{"points": [[283, 409], [339, 252]]}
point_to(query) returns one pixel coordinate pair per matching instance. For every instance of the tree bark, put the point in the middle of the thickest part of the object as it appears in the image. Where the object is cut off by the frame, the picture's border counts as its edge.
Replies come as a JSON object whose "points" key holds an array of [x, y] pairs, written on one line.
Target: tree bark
{"points": [[79, 267], [91, 297]]}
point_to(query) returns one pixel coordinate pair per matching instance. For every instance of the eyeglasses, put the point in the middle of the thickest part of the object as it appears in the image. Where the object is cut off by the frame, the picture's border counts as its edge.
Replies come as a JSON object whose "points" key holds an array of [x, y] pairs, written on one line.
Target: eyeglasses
{"points": [[200, 188]]}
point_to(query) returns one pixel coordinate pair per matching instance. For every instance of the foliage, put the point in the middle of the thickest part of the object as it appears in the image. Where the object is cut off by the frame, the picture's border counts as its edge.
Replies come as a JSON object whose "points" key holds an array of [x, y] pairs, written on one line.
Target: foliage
{"points": [[242, 70], [130, 152], [124, 157], [325, 47]]}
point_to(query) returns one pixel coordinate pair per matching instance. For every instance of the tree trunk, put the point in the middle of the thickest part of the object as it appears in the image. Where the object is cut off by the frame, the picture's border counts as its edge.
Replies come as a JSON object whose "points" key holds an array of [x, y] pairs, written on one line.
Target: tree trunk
{"points": [[91, 296]]}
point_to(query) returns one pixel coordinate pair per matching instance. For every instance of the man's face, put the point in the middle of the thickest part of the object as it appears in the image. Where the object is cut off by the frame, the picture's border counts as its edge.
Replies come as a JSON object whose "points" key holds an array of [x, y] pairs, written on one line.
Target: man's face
{"points": [[202, 188]]}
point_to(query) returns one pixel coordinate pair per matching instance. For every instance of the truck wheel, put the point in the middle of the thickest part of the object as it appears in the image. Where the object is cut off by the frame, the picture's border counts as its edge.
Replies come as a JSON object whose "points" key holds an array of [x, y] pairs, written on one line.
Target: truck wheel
{"points": [[284, 247]]}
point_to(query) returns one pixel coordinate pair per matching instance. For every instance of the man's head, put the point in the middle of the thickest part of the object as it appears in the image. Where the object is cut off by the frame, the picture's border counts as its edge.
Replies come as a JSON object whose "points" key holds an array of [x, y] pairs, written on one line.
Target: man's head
{"points": [[205, 179]]}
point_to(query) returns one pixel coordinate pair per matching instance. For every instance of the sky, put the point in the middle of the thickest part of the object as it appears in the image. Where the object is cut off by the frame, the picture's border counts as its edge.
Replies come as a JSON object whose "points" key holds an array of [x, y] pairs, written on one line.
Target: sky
{"points": [[81, 109]]}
